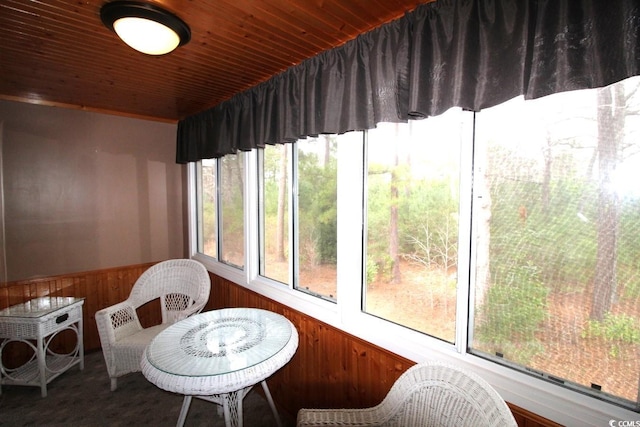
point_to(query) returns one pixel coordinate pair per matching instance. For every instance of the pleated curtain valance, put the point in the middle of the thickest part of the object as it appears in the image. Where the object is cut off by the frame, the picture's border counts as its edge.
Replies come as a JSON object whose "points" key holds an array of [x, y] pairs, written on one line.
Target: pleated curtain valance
{"points": [[471, 54]]}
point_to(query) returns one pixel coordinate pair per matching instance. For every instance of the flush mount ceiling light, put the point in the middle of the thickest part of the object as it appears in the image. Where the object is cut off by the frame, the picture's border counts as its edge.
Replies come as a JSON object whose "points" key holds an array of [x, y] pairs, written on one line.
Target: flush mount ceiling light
{"points": [[145, 27]]}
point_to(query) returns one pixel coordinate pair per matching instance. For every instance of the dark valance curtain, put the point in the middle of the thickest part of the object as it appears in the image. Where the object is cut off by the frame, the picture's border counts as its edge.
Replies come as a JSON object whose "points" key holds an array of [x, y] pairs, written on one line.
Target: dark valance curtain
{"points": [[471, 54]]}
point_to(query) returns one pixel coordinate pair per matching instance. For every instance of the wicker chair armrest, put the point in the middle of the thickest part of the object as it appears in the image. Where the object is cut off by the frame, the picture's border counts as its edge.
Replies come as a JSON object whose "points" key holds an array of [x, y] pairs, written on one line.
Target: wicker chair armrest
{"points": [[194, 309], [115, 321]]}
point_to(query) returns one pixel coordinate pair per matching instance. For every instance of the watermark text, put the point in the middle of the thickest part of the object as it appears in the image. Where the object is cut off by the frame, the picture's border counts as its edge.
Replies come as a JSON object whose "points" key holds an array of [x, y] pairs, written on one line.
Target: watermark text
{"points": [[624, 423]]}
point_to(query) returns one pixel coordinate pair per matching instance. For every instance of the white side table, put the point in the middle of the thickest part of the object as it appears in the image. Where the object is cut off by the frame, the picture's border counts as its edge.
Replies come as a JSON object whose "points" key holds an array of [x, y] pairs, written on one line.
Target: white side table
{"points": [[36, 323]]}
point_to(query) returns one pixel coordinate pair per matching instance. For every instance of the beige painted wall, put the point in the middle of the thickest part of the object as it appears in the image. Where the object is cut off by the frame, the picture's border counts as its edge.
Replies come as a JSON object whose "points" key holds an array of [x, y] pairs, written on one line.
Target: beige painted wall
{"points": [[84, 191]]}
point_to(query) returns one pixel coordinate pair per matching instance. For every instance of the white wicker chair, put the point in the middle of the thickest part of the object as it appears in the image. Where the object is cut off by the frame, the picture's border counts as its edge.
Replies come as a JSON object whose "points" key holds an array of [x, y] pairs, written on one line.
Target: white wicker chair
{"points": [[427, 394], [183, 287]]}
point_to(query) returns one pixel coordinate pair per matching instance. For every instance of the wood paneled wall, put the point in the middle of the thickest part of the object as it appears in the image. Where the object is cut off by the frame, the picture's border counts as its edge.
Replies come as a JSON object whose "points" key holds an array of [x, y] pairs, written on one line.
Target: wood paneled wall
{"points": [[331, 368], [100, 288]]}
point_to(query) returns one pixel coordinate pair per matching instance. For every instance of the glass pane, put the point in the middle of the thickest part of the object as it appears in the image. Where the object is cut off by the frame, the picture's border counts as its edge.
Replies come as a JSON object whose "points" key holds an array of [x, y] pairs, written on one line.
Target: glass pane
{"points": [[558, 217], [317, 215], [208, 241], [232, 209], [274, 215], [412, 223]]}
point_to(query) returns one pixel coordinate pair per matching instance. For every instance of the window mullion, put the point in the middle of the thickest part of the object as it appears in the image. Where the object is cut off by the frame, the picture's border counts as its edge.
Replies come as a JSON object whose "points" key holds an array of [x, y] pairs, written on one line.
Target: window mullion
{"points": [[251, 218], [218, 207], [464, 277], [350, 224], [194, 203], [294, 255]]}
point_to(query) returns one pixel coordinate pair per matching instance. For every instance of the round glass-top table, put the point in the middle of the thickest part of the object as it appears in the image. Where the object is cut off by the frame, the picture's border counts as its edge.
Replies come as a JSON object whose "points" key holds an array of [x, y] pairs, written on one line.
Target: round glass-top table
{"points": [[219, 356]]}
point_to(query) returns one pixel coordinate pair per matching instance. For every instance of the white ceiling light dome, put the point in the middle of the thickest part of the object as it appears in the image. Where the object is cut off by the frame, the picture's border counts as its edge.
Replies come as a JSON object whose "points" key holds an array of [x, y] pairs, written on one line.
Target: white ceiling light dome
{"points": [[145, 27]]}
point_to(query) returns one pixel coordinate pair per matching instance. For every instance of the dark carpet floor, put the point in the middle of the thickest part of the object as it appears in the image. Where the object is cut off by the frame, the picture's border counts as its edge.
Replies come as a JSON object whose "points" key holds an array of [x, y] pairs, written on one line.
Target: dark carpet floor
{"points": [[83, 398]]}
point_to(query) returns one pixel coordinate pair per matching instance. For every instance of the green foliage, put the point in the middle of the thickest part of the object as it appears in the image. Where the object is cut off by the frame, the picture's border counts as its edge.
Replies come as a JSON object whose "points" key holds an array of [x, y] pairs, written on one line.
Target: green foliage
{"points": [[385, 266], [515, 306], [629, 249], [551, 222], [560, 231], [552, 237], [371, 270], [614, 327], [632, 288], [378, 217], [429, 223], [271, 172], [427, 226], [317, 196], [209, 221]]}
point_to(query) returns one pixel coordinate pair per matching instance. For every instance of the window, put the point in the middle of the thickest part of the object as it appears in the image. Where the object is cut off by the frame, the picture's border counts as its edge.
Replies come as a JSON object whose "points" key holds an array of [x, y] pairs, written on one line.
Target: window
{"points": [[221, 209], [274, 208], [207, 208], [504, 239], [557, 286], [313, 214], [413, 172]]}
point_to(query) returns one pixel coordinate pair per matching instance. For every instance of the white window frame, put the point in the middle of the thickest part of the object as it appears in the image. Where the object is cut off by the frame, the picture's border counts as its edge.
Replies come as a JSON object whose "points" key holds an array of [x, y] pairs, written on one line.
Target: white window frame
{"points": [[549, 400]]}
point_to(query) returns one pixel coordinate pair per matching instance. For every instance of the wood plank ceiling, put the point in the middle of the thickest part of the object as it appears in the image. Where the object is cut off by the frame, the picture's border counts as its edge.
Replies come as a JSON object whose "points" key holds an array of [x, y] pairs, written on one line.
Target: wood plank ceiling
{"points": [[58, 52]]}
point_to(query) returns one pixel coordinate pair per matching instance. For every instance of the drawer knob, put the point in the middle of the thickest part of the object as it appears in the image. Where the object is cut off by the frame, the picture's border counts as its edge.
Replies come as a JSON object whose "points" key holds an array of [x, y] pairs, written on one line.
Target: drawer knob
{"points": [[62, 318]]}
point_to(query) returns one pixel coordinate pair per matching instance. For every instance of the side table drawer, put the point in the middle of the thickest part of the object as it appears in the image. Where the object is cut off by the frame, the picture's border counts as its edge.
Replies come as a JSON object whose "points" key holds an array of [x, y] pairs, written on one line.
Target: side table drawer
{"points": [[40, 326], [61, 320]]}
